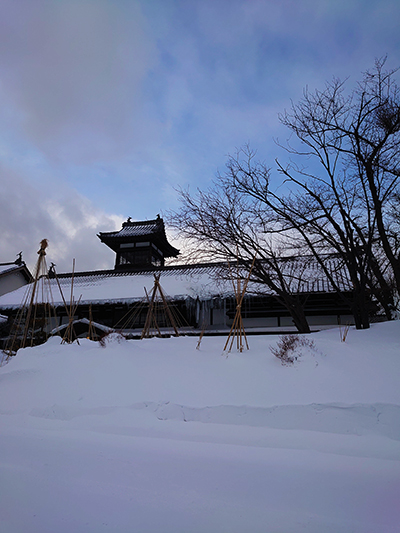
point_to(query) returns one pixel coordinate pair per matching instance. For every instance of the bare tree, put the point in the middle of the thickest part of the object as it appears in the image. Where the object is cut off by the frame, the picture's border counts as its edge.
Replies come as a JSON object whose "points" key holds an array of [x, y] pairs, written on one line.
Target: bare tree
{"points": [[225, 224], [313, 219], [339, 195], [354, 138]]}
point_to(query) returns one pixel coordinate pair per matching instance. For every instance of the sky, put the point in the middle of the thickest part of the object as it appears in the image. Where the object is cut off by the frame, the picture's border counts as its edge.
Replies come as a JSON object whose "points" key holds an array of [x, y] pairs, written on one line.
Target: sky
{"points": [[108, 106]]}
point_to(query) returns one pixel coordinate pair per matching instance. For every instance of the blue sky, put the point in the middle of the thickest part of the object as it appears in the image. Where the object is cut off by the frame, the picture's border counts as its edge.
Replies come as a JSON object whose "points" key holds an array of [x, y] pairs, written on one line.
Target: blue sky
{"points": [[106, 106]]}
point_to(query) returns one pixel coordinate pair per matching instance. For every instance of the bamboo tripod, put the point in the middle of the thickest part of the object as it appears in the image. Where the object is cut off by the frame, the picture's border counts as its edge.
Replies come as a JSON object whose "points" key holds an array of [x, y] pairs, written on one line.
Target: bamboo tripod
{"points": [[237, 330], [91, 331], [33, 319], [69, 335], [151, 325]]}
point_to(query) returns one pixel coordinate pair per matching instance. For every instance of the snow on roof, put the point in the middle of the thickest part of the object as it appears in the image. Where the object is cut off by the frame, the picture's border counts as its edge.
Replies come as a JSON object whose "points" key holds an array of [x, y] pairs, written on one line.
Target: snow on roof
{"points": [[112, 287], [203, 281], [84, 321], [153, 230], [138, 228], [6, 267]]}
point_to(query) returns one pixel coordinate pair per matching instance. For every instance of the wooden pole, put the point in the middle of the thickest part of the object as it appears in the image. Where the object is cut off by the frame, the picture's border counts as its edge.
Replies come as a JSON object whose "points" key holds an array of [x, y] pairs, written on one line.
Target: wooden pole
{"points": [[237, 330], [151, 317]]}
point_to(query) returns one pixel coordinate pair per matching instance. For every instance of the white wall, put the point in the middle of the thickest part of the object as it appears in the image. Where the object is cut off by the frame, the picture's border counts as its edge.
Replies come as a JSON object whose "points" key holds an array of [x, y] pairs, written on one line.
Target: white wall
{"points": [[11, 281]]}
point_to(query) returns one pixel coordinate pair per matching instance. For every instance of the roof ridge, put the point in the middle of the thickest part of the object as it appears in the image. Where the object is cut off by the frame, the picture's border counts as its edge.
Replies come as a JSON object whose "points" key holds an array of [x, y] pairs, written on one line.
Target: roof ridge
{"points": [[142, 270], [141, 222]]}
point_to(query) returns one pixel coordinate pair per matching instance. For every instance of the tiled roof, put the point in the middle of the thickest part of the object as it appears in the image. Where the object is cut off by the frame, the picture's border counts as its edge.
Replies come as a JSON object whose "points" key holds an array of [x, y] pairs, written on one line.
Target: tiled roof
{"points": [[203, 281], [189, 269], [154, 230], [135, 229]]}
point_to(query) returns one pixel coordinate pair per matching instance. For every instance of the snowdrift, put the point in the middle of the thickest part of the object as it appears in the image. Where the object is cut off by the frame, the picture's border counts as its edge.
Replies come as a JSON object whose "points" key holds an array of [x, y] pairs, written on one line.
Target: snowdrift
{"points": [[155, 435]]}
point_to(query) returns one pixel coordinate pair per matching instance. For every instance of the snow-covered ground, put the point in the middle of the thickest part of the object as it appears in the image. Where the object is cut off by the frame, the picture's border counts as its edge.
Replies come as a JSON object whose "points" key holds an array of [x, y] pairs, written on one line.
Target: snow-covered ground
{"points": [[156, 436]]}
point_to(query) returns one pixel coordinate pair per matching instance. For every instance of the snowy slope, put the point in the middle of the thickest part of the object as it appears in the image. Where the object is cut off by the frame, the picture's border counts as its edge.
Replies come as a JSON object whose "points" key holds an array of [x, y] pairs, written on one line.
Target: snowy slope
{"points": [[154, 435]]}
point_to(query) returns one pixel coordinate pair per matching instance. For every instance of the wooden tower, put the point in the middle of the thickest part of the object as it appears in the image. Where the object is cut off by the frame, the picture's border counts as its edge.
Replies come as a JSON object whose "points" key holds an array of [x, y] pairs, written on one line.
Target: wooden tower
{"points": [[141, 244]]}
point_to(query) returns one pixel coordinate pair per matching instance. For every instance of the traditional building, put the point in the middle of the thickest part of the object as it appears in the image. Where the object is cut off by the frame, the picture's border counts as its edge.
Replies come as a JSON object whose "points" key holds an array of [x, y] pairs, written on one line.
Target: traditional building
{"points": [[201, 294], [14, 275], [139, 244]]}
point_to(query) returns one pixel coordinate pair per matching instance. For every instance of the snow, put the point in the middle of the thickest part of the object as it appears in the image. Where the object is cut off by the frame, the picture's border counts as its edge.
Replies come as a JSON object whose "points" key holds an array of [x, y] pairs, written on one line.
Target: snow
{"points": [[156, 436], [120, 288], [8, 267], [199, 281]]}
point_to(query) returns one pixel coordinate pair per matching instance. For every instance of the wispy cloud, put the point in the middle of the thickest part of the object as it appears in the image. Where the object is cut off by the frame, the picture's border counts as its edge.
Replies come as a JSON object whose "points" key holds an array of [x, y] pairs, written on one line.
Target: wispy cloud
{"points": [[116, 102], [30, 213], [74, 71]]}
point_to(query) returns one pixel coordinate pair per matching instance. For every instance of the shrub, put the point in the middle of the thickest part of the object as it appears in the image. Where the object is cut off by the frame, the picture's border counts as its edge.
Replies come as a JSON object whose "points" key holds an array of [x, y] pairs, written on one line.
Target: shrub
{"points": [[289, 348], [112, 337]]}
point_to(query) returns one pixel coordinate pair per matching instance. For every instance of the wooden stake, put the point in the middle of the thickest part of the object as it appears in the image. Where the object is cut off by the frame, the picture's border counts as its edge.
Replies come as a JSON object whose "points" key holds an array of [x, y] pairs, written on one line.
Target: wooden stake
{"points": [[237, 330], [26, 318], [151, 317]]}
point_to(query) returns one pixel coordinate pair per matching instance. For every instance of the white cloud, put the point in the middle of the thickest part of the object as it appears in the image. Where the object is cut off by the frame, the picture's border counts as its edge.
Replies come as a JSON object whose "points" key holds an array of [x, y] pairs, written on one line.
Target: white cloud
{"points": [[69, 221], [74, 70], [119, 101]]}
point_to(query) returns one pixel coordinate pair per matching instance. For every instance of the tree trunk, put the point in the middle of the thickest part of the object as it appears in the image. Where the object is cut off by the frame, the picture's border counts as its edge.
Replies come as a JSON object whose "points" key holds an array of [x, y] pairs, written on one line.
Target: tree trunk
{"points": [[385, 298], [360, 312], [377, 204], [382, 291], [296, 310]]}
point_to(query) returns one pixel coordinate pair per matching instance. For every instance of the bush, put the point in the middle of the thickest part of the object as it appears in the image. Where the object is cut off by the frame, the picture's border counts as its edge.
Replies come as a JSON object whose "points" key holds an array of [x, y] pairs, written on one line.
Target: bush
{"points": [[289, 348], [111, 338]]}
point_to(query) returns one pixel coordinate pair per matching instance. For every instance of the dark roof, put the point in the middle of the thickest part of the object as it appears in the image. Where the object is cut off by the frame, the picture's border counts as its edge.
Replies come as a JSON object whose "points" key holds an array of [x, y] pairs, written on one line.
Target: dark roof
{"points": [[201, 280], [139, 231], [305, 273], [172, 270]]}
